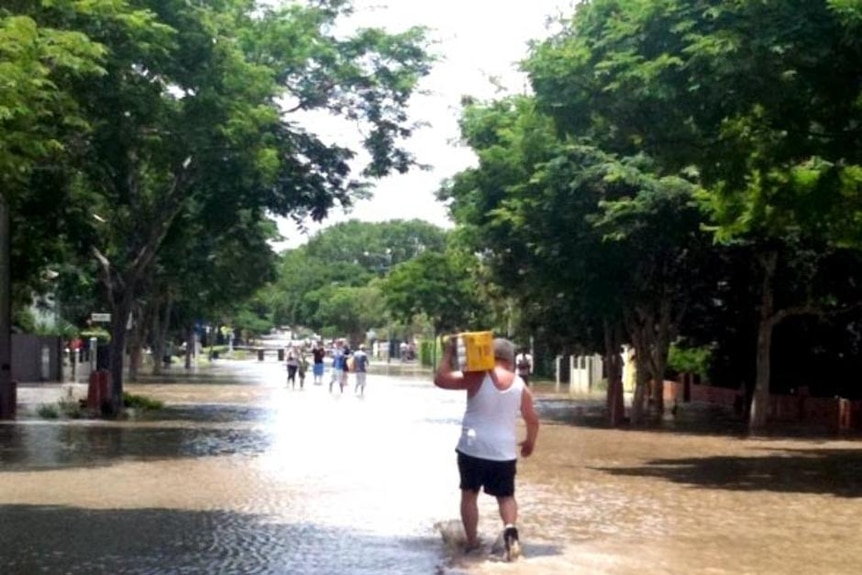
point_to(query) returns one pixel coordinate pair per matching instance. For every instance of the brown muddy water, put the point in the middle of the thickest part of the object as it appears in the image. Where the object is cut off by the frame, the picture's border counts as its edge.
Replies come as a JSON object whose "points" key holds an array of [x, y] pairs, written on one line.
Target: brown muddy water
{"points": [[241, 475]]}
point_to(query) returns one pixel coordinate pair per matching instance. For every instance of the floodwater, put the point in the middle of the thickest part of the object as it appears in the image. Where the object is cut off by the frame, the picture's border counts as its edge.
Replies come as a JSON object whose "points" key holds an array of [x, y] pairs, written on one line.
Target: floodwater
{"points": [[241, 475]]}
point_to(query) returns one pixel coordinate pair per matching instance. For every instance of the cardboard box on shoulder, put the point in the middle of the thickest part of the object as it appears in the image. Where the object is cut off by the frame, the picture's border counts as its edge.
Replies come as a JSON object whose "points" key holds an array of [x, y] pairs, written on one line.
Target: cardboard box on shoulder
{"points": [[476, 351]]}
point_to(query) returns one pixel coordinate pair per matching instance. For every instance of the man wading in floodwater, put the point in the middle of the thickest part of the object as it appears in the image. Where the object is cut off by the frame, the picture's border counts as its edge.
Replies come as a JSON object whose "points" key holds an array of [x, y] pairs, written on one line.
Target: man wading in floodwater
{"points": [[487, 450]]}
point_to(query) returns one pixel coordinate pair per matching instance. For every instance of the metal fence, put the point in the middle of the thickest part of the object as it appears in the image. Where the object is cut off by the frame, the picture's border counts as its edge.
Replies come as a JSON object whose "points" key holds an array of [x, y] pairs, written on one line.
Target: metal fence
{"points": [[36, 358]]}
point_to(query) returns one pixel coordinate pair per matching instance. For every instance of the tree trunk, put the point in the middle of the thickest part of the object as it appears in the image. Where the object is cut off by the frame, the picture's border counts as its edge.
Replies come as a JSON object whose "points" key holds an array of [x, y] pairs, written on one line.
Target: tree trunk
{"points": [[160, 335], [136, 346], [7, 386], [658, 384], [613, 361], [660, 349], [760, 399], [116, 351], [135, 355], [190, 345]]}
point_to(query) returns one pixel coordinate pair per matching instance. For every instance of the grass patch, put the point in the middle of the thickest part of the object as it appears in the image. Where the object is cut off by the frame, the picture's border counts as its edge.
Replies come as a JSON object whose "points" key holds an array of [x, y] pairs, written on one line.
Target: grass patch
{"points": [[69, 408], [141, 402], [48, 411], [65, 408]]}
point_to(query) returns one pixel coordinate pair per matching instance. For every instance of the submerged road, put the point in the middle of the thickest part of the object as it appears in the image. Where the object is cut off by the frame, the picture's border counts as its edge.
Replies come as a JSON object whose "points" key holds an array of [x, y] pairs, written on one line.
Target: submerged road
{"points": [[239, 474]]}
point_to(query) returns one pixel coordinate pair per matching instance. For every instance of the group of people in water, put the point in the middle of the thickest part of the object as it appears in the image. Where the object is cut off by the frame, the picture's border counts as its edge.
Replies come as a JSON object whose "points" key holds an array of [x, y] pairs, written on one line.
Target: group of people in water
{"points": [[344, 361]]}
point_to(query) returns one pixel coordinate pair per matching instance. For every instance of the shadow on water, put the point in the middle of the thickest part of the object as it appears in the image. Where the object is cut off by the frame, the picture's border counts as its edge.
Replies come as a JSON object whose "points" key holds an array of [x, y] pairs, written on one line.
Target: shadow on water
{"points": [[830, 471], [59, 539], [690, 419]]}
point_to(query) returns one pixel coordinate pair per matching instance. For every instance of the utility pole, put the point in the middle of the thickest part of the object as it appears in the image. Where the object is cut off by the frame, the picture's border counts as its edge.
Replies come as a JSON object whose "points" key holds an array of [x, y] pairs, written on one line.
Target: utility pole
{"points": [[388, 313], [387, 257], [8, 396]]}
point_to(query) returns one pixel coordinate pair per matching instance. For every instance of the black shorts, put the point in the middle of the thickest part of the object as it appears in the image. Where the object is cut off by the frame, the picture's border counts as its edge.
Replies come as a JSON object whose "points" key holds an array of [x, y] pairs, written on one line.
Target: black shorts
{"points": [[497, 477]]}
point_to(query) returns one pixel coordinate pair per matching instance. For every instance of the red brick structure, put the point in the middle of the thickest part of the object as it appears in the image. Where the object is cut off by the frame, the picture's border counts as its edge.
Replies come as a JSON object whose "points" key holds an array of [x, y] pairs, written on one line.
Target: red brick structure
{"points": [[837, 414]]}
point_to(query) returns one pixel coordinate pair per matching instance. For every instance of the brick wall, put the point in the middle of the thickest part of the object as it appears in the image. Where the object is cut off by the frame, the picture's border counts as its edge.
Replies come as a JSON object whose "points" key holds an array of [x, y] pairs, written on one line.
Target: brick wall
{"points": [[835, 413]]}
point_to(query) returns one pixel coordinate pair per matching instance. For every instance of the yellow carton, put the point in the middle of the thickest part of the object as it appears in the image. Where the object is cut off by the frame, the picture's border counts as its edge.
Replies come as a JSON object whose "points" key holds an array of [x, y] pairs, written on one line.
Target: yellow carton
{"points": [[476, 351]]}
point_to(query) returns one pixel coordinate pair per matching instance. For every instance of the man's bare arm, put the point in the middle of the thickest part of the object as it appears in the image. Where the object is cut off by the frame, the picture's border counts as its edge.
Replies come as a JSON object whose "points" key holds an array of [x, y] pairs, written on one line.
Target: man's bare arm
{"points": [[531, 418], [448, 378]]}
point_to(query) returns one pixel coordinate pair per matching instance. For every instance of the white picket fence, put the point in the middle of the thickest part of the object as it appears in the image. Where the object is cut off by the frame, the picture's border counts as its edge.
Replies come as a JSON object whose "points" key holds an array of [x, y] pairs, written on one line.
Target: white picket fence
{"points": [[585, 371]]}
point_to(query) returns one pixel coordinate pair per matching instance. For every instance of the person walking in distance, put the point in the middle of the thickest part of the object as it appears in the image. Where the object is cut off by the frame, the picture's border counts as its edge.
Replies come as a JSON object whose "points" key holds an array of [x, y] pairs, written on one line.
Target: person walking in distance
{"points": [[487, 450], [292, 363], [338, 360], [524, 365], [302, 367], [360, 368], [346, 366], [318, 353]]}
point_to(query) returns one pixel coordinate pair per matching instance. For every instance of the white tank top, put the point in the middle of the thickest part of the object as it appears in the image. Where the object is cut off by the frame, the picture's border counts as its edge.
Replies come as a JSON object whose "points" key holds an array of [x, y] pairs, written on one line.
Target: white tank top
{"points": [[488, 429]]}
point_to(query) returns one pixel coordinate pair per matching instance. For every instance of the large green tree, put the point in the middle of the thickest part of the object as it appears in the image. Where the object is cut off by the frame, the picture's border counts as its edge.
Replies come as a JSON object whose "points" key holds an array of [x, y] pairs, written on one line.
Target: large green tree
{"points": [[598, 249], [347, 255], [195, 106], [753, 95], [441, 286], [38, 117]]}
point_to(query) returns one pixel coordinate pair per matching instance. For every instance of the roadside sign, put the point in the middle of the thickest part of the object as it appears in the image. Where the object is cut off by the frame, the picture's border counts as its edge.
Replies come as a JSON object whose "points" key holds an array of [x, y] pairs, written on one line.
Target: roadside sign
{"points": [[100, 317]]}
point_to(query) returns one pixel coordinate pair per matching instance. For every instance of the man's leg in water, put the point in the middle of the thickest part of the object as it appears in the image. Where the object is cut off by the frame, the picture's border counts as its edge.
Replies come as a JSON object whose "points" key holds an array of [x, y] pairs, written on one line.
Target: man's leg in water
{"points": [[508, 510], [509, 515], [470, 516]]}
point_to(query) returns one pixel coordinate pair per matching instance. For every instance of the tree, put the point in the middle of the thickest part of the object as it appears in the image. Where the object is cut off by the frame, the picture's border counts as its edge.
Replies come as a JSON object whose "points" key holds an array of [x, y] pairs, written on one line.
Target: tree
{"points": [[752, 95], [669, 261], [365, 243], [619, 247], [441, 286], [189, 111], [36, 114], [350, 311], [349, 254], [201, 276]]}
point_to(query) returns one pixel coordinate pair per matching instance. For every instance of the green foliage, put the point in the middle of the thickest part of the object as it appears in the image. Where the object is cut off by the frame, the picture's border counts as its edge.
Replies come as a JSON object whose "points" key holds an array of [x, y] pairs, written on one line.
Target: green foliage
{"points": [[24, 319], [40, 124], [64, 408], [180, 141], [429, 349], [750, 94], [100, 333], [439, 285], [330, 282], [654, 121], [141, 402], [694, 360], [252, 321], [63, 329], [351, 310], [48, 411]]}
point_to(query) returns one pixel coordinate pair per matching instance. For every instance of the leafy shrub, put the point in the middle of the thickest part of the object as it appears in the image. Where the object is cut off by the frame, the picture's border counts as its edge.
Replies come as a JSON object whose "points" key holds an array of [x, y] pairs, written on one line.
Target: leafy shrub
{"points": [[695, 360], [48, 411], [141, 402]]}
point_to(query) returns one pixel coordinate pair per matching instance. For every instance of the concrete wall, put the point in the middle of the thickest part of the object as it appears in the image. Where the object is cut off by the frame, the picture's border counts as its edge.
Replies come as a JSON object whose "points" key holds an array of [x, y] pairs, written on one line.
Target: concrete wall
{"points": [[36, 358]]}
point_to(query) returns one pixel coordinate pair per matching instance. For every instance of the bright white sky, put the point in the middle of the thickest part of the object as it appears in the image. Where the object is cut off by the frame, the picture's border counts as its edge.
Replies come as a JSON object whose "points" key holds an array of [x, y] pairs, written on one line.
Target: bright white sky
{"points": [[477, 40]]}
